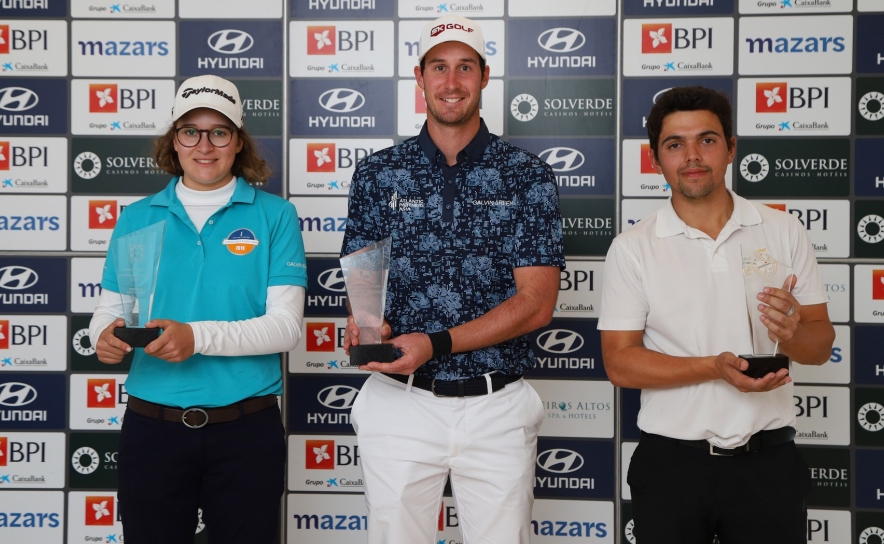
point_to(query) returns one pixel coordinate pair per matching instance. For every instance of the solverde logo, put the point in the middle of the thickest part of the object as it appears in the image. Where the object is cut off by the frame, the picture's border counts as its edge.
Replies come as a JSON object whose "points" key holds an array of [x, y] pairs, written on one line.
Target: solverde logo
{"points": [[869, 106], [794, 167], [559, 107], [93, 460], [115, 166]]}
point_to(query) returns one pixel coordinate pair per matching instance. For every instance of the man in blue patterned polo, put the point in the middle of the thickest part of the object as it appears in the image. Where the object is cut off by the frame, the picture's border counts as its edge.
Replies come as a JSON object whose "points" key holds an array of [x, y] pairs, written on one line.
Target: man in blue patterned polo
{"points": [[477, 249]]}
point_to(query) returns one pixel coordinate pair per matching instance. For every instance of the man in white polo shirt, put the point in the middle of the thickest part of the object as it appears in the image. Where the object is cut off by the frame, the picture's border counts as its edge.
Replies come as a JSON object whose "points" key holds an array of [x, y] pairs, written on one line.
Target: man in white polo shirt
{"points": [[717, 455]]}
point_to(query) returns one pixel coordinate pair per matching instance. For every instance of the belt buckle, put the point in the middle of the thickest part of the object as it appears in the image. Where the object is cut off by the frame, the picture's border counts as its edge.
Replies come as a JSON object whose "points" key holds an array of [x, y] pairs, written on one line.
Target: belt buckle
{"points": [[712, 450], [433, 388], [198, 410]]}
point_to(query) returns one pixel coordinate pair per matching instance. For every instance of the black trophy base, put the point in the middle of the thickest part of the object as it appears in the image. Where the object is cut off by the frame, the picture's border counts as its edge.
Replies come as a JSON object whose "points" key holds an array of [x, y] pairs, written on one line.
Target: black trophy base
{"points": [[761, 365], [136, 337], [367, 353]]}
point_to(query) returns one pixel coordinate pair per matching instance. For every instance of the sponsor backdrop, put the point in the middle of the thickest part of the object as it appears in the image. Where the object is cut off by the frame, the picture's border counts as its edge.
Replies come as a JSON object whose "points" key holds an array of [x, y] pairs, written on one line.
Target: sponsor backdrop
{"points": [[327, 82]]}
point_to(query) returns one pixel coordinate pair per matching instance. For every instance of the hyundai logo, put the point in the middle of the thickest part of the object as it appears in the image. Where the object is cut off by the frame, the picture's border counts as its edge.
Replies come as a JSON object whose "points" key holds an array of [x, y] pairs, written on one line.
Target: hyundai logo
{"points": [[16, 278], [333, 280], [561, 40], [338, 397], [18, 99], [17, 394], [656, 96], [560, 461], [231, 42], [341, 100], [560, 341], [562, 159]]}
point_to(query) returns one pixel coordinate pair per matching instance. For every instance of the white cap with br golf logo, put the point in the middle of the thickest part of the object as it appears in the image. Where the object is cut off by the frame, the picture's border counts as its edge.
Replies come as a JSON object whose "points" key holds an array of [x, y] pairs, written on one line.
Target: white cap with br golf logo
{"points": [[209, 92], [452, 28]]}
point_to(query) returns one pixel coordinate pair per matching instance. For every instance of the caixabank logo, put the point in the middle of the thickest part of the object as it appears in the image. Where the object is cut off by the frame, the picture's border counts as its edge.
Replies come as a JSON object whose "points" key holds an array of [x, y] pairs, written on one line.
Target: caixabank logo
{"points": [[796, 45], [580, 290], [324, 166], [357, 107], [323, 221], [326, 519], [822, 415], [793, 107], [826, 221], [262, 106], [321, 349], [429, 9], [830, 474], [869, 416], [35, 8], [32, 516], [33, 222], [869, 109], [576, 469], [33, 165], [341, 49], [123, 48], [870, 486], [81, 350], [93, 219], [869, 44], [324, 463], [494, 32], [582, 167], [329, 9], [678, 7], [794, 168], [33, 106], [32, 342], [33, 285], [561, 107], [33, 48], [94, 516], [322, 403], [678, 47], [134, 107], [868, 174], [567, 348], [642, 94], [580, 409], [559, 47], [92, 459], [98, 401], [327, 294], [587, 225], [111, 9], [795, 7], [869, 366], [869, 231], [31, 460], [115, 166], [231, 48], [32, 401]]}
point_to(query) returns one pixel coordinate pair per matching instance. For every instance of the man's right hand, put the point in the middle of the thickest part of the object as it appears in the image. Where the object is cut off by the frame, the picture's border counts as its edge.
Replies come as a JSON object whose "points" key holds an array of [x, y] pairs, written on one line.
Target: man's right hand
{"points": [[109, 348], [730, 369], [351, 333]]}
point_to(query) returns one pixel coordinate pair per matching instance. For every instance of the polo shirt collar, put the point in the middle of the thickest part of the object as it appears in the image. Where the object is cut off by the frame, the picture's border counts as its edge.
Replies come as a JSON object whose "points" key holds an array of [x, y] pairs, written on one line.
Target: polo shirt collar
{"points": [[243, 193], [473, 151], [670, 224]]}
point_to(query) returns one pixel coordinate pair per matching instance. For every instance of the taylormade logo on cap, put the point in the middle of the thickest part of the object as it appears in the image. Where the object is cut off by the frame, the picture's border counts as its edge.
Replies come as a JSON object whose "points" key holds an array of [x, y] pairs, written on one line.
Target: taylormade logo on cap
{"points": [[209, 92], [188, 92], [452, 28]]}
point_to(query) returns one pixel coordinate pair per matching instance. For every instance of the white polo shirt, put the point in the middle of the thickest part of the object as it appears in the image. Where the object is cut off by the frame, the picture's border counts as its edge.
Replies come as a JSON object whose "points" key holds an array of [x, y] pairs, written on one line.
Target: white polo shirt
{"points": [[686, 292]]}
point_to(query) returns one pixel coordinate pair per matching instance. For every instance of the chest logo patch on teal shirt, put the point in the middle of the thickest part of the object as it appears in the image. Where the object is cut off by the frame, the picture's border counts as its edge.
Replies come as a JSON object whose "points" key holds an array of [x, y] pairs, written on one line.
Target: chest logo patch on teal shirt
{"points": [[240, 242]]}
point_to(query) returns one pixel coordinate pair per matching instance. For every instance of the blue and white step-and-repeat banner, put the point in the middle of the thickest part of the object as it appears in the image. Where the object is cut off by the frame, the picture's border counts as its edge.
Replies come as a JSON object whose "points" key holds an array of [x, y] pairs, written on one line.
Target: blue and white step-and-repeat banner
{"points": [[86, 84]]}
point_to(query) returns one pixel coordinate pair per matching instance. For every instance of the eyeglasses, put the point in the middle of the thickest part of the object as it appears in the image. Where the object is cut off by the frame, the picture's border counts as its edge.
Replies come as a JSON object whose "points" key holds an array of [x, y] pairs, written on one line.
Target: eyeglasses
{"points": [[218, 136]]}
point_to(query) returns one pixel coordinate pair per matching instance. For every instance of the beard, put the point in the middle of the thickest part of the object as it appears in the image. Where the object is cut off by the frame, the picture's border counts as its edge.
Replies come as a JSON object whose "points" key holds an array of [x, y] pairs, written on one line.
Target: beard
{"points": [[696, 189]]}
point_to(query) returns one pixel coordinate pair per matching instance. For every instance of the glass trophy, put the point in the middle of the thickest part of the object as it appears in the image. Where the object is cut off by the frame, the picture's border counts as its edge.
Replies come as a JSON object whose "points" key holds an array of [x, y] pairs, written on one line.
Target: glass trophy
{"points": [[365, 275], [137, 260], [761, 270]]}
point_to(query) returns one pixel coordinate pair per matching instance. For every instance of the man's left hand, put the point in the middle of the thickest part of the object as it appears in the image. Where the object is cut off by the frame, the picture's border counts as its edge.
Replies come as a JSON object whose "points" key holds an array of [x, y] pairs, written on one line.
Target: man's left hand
{"points": [[780, 312], [416, 350], [175, 344]]}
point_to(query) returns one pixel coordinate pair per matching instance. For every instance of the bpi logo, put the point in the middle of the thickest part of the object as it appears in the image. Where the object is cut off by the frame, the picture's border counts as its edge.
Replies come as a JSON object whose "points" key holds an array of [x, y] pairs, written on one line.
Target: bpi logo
{"points": [[321, 157], [18, 99], [337, 397], [4, 39], [17, 278], [4, 334], [562, 159], [103, 98], [321, 40], [100, 393], [560, 461], [877, 285], [231, 41], [4, 155], [321, 337], [560, 341], [320, 454], [22, 40], [647, 166], [777, 97], [664, 38], [99, 510], [341, 100], [561, 40], [102, 214], [4, 451], [17, 394]]}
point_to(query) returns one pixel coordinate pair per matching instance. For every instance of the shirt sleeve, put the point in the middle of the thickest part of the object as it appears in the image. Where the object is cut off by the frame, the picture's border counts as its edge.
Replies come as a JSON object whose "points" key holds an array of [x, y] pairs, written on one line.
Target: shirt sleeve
{"points": [[624, 304], [288, 265], [363, 215], [538, 239]]}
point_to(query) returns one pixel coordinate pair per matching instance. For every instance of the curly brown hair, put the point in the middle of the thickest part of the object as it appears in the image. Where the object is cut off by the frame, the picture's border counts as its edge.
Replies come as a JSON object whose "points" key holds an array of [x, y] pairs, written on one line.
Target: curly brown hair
{"points": [[248, 163]]}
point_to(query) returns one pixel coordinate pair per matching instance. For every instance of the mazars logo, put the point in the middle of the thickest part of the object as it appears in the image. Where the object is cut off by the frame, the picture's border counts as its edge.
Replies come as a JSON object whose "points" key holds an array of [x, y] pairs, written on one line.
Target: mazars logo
{"points": [[333, 280], [103, 98], [231, 42], [560, 461], [341, 100], [18, 99], [560, 341], [338, 397], [795, 44], [321, 40], [16, 278], [17, 394], [561, 40], [102, 214], [562, 159], [321, 157]]}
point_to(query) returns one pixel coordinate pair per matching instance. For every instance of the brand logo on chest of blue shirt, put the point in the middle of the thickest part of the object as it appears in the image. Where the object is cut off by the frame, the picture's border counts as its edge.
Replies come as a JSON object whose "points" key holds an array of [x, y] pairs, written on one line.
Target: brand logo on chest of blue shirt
{"points": [[240, 242]]}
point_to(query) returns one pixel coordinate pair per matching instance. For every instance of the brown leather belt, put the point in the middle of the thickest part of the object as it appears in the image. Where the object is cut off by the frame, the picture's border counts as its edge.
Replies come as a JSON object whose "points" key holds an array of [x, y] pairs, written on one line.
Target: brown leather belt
{"points": [[196, 417]]}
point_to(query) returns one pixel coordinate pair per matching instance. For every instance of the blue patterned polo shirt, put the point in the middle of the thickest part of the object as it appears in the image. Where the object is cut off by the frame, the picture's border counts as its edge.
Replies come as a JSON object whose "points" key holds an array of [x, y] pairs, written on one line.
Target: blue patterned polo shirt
{"points": [[458, 232]]}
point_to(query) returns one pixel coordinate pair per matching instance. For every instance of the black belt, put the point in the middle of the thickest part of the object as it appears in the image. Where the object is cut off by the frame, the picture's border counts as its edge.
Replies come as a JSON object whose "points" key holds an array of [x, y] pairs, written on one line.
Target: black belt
{"points": [[472, 387], [758, 441], [200, 417]]}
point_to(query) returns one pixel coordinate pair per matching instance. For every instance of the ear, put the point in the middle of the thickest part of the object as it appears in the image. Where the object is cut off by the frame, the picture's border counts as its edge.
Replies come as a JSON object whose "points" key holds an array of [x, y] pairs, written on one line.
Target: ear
{"points": [[654, 162], [732, 152], [419, 77], [238, 143], [485, 76]]}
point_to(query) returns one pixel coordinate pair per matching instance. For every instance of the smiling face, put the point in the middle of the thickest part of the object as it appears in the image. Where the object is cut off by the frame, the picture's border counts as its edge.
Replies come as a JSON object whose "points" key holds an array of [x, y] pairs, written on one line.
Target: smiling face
{"points": [[452, 83], [205, 166], [693, 154]]}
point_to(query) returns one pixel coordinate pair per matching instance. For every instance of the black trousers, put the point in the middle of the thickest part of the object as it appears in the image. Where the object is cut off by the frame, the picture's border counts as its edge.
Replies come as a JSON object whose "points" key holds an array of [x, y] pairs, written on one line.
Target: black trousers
{"points": [[233, 471], [683, 495]]}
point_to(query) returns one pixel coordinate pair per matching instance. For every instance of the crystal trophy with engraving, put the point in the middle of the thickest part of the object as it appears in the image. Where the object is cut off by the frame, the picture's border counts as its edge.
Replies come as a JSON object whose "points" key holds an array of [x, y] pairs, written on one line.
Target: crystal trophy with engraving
{"points": [[760, 270], [365, 275], [136, 258]]}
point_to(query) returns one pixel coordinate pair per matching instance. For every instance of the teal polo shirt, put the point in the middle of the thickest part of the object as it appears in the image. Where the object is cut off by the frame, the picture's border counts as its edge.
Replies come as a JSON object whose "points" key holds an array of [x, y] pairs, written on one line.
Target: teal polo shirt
{"points": [[206, 276]]}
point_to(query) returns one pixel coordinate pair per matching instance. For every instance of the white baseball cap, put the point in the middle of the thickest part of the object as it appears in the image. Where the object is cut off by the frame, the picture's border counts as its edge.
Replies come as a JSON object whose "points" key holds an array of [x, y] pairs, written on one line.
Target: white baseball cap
{"points": [[452, 28], [208, 92]]}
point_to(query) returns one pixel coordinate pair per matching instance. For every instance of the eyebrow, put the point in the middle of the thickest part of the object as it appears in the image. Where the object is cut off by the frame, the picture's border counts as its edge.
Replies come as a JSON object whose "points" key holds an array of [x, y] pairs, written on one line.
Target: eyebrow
{"points": [[465, 59], [680, 137]]}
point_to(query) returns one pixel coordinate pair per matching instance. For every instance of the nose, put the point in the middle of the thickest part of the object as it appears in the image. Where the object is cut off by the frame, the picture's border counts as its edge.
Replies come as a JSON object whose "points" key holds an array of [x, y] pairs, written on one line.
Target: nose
{"points": [[204, 145], [692, 152]]}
